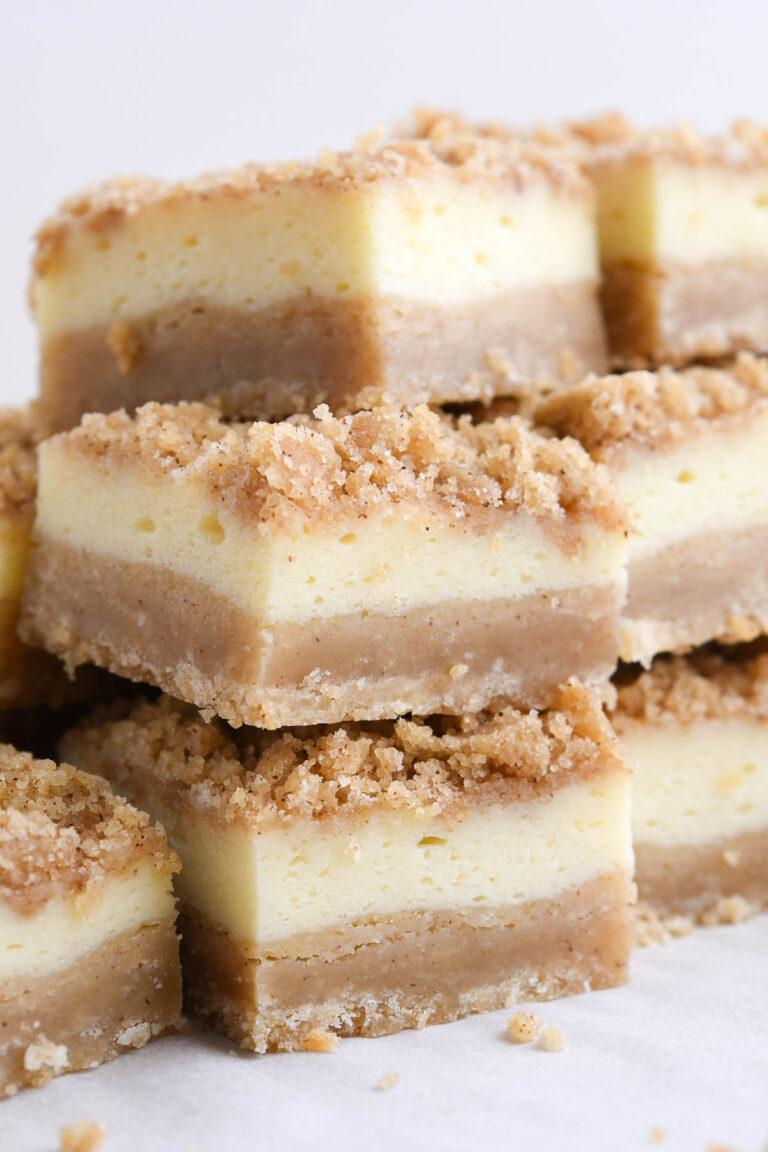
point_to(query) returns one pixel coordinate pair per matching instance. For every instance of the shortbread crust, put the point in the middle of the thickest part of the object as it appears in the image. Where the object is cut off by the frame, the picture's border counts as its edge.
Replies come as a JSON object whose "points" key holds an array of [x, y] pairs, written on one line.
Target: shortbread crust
{"points": [[394, 942], [437, 544]]}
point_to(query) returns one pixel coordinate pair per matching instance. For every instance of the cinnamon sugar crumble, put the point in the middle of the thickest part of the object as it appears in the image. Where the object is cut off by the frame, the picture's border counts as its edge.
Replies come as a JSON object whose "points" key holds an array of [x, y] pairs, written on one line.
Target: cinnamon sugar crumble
{"points": [[61, 829], [83, 1136], [319, 1040], [684, 690], [653, 409], [463, 155], [300, 469], [523, 1027], [253, 775], [21, 430]]}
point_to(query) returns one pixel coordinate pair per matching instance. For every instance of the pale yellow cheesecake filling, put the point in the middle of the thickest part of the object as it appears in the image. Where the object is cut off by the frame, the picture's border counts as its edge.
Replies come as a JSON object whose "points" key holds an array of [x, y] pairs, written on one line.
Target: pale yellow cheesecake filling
{"points": [[437, 242], [304, 875], [699, 783], [384, 563], [68, 927], [715, 480], [656, 210]]}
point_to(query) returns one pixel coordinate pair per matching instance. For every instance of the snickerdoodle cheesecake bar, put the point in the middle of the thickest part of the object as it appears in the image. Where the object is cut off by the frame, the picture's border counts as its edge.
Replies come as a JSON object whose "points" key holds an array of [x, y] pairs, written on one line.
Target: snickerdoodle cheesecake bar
{"points": [[683, 223], [433, 270], [696, 732], [323, 569], [688, 452], [89, 956], [367, 878]]}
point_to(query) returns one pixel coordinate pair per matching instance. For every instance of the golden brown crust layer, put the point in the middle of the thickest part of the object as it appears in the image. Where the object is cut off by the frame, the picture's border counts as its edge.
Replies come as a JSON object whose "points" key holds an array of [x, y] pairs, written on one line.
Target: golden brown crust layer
{"points": [[62, 829], [653, 410], [426, 764], [308, 467], [463, 155], [21, 430], [684, 690]]}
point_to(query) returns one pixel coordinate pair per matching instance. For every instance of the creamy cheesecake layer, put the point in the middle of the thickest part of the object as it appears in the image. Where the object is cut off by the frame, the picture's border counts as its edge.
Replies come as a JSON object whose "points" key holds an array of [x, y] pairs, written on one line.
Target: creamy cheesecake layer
{"points": [[119, 995], [256, 569], [370, 878], [360, 981], [64, 930], [696, 732]]}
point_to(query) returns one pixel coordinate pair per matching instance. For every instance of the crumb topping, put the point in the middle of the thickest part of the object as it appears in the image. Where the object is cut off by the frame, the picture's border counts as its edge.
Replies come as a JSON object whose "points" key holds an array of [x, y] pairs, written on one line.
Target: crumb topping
{"points": [[607, 414], [309, 467], [463, 154], [20, 432], [687, 689], [253, 775], [62, 829]]}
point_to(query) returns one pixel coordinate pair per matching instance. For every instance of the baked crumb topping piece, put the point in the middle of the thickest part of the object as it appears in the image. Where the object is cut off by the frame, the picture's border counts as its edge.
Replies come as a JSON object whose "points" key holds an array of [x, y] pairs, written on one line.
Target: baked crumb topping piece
{"points": [[317, 466], [684, 690], [653, 409], [21, 430], [254, 775], [463, 154], [61, 830]]}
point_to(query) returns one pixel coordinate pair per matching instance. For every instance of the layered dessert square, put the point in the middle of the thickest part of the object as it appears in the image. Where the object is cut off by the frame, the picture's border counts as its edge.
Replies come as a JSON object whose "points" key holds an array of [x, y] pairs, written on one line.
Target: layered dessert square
{"points": [[323, 569], [696, 733], [688, 452], [431, 270], [89, 957], [683, 222], [364, 879]]}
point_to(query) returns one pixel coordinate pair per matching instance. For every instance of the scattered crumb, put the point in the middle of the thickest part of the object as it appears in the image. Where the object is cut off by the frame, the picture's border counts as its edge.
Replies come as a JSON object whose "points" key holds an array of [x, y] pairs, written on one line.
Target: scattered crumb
{"points": [[523, 1027], [318, 1040], [651, 928], [658, 1135], [135, 1035], [552, 1039], [388, 1081], [730, 910], [83, 1136]]}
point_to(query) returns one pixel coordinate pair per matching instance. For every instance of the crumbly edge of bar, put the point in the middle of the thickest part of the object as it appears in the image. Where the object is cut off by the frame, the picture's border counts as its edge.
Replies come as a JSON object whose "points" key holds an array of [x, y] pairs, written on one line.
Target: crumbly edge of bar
{"points": [[686, 689], [21, 430], [464, 155], [653, 409], [253, 775], [611, 137], [62, 829], [310, 468]]}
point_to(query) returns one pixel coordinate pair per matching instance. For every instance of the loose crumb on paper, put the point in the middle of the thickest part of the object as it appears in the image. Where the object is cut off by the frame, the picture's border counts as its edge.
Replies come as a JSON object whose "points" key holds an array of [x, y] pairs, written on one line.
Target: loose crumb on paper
{"points": [[523, 1027], [83, 1136], [552, 1039], [319, 1040], [388, 1081], [658, 1135]]}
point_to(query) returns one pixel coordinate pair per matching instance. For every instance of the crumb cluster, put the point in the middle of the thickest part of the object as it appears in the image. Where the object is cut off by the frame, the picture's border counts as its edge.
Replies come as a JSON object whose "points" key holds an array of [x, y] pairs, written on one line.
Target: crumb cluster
{"points": [[319, 1040], [83, 1136], [686, 689], [653, 409], [310, 467], [60, 829], [452, 150], [251, 774], [21, 431]]}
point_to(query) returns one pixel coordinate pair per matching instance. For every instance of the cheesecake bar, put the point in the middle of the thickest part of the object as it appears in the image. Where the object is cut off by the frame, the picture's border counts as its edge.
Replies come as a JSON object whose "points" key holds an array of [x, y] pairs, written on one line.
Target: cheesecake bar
{"points": [[683, 223], [89, 957], [323, 569], [433, 270], [364, 879], [688, 452], [696, 733]]}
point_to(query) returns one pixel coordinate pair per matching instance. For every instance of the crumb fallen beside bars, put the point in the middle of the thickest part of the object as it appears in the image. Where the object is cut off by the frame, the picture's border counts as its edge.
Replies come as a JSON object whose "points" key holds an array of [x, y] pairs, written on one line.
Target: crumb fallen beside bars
{"points": [[318, 1040], [83, 1136], [523, 1027], [388, 1081], [552, 1039]]}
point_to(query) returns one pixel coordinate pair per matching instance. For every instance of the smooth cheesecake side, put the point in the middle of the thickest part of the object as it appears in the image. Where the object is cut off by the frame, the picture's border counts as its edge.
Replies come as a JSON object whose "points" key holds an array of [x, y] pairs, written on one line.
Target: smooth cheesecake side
{"points": [[89, 963], [365, 879], [696, 733], [436, 270], [319, 570], [688, 453]]}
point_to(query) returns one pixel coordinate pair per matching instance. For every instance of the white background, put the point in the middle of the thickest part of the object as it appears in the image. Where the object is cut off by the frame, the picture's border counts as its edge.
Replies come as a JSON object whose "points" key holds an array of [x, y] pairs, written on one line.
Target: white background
{"points": [[90, 89]]}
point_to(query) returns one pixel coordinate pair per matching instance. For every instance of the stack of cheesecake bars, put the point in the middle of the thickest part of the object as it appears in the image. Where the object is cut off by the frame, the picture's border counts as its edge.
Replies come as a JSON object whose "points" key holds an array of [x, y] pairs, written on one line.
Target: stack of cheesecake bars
{"points": [[444, 639]]}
